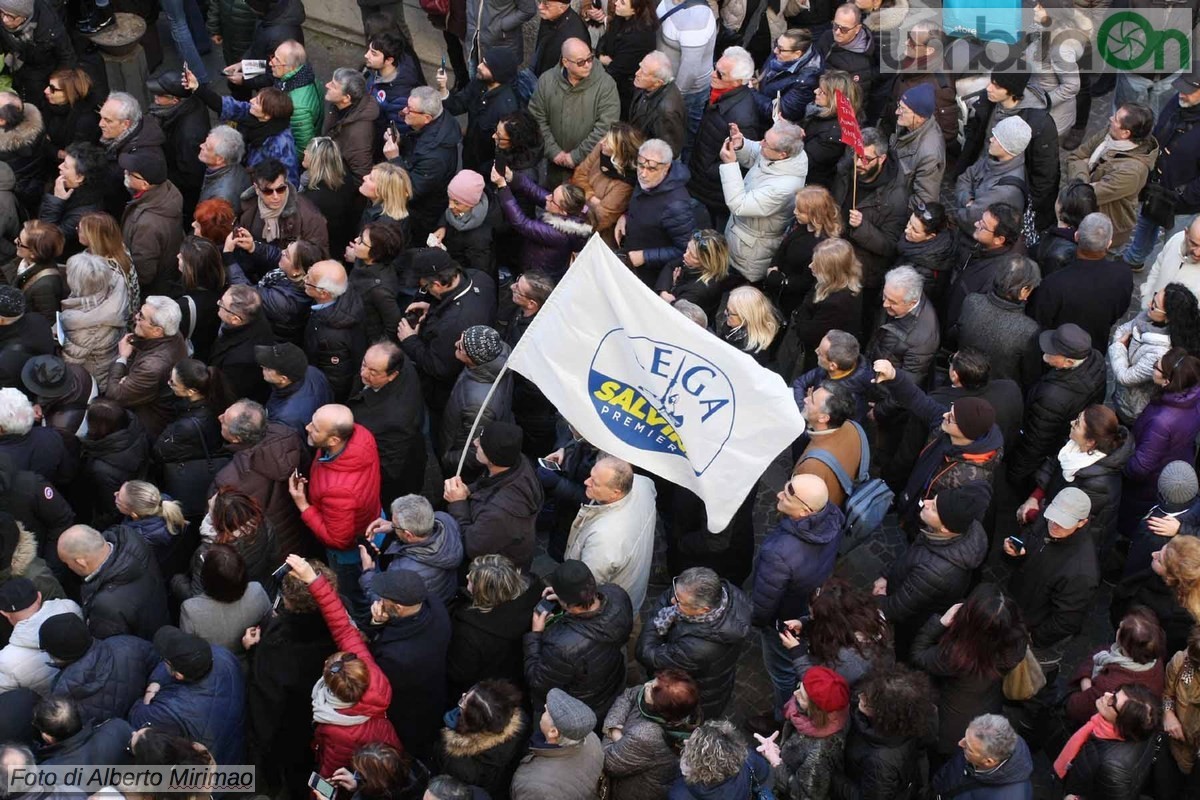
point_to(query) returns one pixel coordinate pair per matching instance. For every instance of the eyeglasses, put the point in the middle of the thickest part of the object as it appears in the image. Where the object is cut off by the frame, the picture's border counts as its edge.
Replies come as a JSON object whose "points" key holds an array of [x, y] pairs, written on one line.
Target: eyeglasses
{"points": [[649, 166], [272, 190], [53, 88], [582, 62], [865, 159], [950, 418], [844, 28], [408, 110], [981, 225], [140, 317], [718, 73], [779, 49], [228, 310], [313, 286]]}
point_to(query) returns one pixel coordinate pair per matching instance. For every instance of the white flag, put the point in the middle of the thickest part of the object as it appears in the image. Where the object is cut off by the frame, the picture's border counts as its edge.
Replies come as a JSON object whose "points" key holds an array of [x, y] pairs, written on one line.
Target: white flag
{"points": [[643, 382]]}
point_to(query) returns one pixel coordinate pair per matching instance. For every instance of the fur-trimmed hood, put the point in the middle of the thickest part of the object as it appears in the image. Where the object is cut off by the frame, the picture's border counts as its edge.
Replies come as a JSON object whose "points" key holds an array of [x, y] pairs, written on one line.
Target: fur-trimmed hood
{"points": [[23, 555], [460, 745], [27, 133], [571, 226]]}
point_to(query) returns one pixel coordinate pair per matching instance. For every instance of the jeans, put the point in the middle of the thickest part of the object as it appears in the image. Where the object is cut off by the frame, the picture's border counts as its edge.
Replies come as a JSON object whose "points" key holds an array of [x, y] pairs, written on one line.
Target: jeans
{"points": [[1145, 235], [347, 565], [694, 103], [180, 13], [779, 668]]}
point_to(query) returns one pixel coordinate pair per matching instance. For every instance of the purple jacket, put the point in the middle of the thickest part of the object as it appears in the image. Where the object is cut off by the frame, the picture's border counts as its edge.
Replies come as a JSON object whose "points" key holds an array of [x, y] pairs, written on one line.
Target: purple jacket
{"points": [[1165, 432], [548, 240]]}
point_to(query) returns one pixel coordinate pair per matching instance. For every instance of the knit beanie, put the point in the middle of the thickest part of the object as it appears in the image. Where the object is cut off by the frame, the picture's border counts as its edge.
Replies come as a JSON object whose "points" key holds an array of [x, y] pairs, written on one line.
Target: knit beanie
{"points": [[466, 187], [18, 8], [1013, 134], [1012, 82], [957, 508], [65, 637], [920, 99], [1177, 483], [12, 303], [974, 416], [481, 343], [826, 689], [501, 443]]}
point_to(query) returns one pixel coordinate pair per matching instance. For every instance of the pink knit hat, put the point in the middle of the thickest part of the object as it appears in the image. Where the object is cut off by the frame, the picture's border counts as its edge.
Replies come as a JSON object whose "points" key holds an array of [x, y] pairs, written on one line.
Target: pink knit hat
{"points": [[466, 187]]}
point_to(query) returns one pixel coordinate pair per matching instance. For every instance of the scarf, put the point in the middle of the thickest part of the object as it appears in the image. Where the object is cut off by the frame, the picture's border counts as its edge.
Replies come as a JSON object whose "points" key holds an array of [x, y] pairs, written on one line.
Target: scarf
{"points": [[470, 220], [860, 43], [1115, 657], [270, 217], [325, 707], [804, 725], [716, 94], [303, 76], [1109, 144], [256, 132], [1072, 459], [669, 614], [1097, 726]]}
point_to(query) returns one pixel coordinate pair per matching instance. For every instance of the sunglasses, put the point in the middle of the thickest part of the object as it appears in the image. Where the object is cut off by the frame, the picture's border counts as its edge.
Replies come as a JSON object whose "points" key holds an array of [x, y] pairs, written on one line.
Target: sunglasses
{"points": [[582, 62], [844, 28], [791, 492], [272, 190]]}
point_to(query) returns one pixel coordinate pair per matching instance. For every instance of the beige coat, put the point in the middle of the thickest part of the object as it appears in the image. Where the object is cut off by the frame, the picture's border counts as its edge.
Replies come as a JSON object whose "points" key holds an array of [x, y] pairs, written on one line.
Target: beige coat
{"points": [[560, 773], [92, 326], [1118, 178], [616, 540]]}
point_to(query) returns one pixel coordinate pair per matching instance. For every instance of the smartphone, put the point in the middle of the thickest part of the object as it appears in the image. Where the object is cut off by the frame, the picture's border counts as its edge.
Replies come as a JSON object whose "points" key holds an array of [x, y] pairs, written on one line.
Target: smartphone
{"points": [[553, 466], [321, 786], [366, 542], [598, 4], [395, 131], [442, 68], [1017, 544], [278, 574], [782, 627], [413, 318], [547, 606], [501, 161]]}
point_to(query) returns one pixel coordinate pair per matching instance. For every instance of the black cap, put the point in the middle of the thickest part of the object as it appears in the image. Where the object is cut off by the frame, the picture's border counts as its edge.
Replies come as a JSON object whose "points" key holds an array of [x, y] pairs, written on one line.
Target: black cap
{"points": [[146, 162], [573, 583], [65, 637], [186, 654], [48, 377], [17, 594], [287, 359], [1188, 82], [501, 443], [168, 82], [401, 586], [1069, 341], [428, 261]]}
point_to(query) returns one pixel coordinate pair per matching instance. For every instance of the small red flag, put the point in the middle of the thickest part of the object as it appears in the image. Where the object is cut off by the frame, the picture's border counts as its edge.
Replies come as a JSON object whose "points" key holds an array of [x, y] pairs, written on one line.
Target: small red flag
{"points": [[851, 133]]}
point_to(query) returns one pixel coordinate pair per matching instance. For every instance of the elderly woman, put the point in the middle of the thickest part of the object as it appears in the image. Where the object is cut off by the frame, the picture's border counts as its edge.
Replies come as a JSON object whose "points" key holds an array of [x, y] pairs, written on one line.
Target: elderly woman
{"points": [[644, 732], [101, 235], [78, 189], [1172, 319], [93, 315], [608, 175], [717, 762], [762, 203], [229, 604], [281, 288], [213, 220]]}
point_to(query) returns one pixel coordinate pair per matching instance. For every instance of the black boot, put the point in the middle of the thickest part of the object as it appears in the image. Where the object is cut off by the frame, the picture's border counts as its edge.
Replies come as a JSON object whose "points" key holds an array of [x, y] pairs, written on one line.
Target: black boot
{"points": [[97, 20]]}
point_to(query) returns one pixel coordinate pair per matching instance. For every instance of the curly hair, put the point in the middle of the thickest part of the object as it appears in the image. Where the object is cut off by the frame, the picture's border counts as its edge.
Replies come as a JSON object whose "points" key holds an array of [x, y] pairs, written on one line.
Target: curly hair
{"points": [[1183, 317], [713, 754], [900, 702], [845, 617]]}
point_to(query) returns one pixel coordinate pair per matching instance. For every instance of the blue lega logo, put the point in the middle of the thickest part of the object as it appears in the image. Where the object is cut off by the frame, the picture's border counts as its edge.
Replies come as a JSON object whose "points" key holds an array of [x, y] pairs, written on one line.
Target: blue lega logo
{"points": [[674, 401]]}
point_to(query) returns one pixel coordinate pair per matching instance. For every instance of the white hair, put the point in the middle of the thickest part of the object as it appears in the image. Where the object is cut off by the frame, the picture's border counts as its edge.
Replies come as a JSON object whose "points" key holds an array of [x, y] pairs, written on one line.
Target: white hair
{"points": [[658, 150], [427, 100], [128, 108], [659, 65], [333, 286], [996, 736], [16, 413], [166, 313], [908, 280], [790, 135], [89, 274], [1095, 232], [228, 143], [743, 63]]}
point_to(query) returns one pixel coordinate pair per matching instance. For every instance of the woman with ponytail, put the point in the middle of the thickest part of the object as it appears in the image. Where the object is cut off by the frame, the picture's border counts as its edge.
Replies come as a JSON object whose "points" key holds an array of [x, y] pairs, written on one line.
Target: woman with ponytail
{"points": [[155, 516]]}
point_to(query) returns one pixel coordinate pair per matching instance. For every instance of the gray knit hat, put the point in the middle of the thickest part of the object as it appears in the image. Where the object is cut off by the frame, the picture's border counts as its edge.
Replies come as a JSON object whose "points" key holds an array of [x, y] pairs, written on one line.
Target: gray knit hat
{"points": [[572, 717], [18, 8], [1013, 134], [1177, 483], [481, 343]]}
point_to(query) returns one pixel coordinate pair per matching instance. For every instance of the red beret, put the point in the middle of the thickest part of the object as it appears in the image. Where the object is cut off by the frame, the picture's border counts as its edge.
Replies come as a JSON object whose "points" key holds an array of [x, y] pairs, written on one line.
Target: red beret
{"points": [[826, 689]]}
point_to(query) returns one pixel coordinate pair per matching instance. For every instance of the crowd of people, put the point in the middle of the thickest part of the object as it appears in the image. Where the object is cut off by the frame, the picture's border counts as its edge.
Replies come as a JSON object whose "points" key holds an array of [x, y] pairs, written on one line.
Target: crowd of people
{"points": [[269, 496]]}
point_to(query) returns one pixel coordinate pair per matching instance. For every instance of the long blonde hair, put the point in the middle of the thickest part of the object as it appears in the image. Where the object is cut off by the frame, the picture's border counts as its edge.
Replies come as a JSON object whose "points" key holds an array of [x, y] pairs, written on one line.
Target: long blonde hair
{"points": [[836, 267], [325, 165], [713, 254], [1181, 572], [145, 500], [822, 211], [394, 189], [624, 140], [103, 235], [758, 316], [835, 80]]}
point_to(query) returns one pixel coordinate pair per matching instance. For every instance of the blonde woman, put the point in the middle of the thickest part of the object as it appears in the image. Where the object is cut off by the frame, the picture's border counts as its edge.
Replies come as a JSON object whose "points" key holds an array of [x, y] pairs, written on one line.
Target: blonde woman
{"points": [[818, 218], [834, 300], [324, 182], [389, 189], [94, 314], [822, 133], [698, 278], [100, 234], [750, 323], [607, 176], [156, 518]]}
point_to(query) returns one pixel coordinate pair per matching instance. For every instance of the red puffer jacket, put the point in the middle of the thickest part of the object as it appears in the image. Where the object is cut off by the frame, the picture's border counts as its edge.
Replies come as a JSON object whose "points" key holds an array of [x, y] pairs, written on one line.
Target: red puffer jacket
{"points": [[333, 744], [344, 492]]}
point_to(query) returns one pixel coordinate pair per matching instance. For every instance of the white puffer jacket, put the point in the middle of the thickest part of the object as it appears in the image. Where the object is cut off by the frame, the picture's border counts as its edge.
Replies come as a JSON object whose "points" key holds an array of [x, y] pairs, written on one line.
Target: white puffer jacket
{"points": [[761, 206], [23, 664]]}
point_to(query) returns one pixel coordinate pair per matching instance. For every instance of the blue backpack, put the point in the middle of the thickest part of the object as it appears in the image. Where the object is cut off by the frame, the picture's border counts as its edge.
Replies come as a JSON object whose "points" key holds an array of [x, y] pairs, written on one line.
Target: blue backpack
{"points": [[867, 499]]}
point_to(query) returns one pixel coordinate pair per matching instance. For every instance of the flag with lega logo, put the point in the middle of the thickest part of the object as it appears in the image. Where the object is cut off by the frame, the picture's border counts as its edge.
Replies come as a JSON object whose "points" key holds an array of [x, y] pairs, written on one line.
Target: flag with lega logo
{"points": [[643, 382]]}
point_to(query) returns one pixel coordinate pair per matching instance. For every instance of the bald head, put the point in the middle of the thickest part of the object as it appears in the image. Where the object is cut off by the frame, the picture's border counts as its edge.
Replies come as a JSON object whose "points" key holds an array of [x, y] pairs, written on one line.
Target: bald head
{"points": [[802, 496], [83, 549], [576, 59], [331, 427], [326, 280]]}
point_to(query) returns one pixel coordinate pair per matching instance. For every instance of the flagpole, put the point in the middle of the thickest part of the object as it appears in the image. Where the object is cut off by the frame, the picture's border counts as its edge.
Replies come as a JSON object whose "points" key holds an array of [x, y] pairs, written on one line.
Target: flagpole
{"points": [[854, 186], [462, 457]]}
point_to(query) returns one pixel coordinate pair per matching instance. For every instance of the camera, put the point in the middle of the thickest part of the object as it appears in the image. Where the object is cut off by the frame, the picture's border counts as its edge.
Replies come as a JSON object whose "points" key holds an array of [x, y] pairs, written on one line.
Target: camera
{"points": [[413, 318]]}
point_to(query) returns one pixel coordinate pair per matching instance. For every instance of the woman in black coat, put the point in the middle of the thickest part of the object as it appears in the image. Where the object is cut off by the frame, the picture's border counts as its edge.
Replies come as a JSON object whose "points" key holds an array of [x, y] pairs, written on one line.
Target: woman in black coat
{"points": [[790, 276], [78, 190], [325, 184], [631, 34], [928, 246], [699, 276], [373, 275], [114, 450], [194, 435], [485, 736], [1114, 768], [71, 111], [835, 301], [202, 274], [822, 133], [1056, 249], [36, 272]]}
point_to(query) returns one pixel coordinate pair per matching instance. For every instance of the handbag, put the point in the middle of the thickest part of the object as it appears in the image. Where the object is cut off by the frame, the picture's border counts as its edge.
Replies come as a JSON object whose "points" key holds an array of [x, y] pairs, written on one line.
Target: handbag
{"points": [[1158, 205], [1025, 679], [188, 481]]}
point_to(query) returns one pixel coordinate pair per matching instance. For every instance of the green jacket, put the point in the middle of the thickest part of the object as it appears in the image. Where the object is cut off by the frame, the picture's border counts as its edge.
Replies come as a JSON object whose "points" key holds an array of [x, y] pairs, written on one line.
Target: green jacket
{"points": [[308, 105], [234, 22], [574, 118]]}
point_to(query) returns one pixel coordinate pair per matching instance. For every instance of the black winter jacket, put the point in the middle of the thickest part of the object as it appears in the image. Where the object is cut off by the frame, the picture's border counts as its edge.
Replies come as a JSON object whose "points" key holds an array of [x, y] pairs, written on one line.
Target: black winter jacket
{"points": [[1050, 405], [875, 767], [884, 206], [284, 303], [1055, 250], [109, 678], [473, 247], [660, 115], [582, 655], [1101, 482], [233, 354], [932, 575], [187, 437], [708, 651], [933, 258], [488, 645], [334, 341], [824, 148], [910, 343], [431, 158], [107, 463], [127, 595], [67, 213], [99, 743], [734, 107], [1114, 770], [395, 415], [1055, 583], [377, 286], [975, 272], [1092, 293], [185, 126], [793, 257], [1178, 164], [484, 108], [40, 46], [500, 516]]}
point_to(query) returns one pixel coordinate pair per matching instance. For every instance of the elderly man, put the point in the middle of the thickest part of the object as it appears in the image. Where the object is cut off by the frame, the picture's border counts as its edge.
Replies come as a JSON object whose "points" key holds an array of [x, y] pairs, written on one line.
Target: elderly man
{"points": [[918, 143], [876, 212], [489, 97], [221, 153], [657, 107], [997, 178], [265, 455], [297, 389], [33, 34], [852, 47], [23, 665], [1177, 262], [38, 448], [992, 762], [145, 358], [658, 224], [924, 62], [731, 103], [559, 22], [566, 761], [761, 204], [613, 533], [838, 359], [995, 238], [797, 556], [535, 414], [351, 120], [833, 436], [334, 340], [483, 355], [1116, 162], [244, 328], [574, 107], [997, 326], [790, 75], [429, 153], [387, 401], [152, 223], [423, 541], [909, 335], [123, 129], [123, 591], [293, 74], [289, 214], [1093, 291]]}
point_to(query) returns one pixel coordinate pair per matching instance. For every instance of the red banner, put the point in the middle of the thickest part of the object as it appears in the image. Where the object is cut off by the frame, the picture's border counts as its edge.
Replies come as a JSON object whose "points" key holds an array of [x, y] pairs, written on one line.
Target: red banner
{"points": [[851, 133]]}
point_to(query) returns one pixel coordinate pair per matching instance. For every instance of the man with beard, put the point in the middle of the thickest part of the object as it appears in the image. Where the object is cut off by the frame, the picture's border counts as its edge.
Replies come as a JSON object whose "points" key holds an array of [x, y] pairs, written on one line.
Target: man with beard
{"points": [[489, 97]]}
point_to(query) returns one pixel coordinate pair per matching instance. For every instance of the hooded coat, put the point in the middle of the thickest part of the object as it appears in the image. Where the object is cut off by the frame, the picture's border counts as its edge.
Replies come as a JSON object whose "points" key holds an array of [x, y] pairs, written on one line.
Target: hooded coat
{"points": [[1050, 405], [797, 556], [25, 562], [335, 340], [1164, 432], [23, 664], [485, 759], [988, 181], [1008, 781], [487, 644], [582, 654], [467, 401], [1118, 178], [708, 650], [109, 678], [126, 594], [152, 226], [436, 559], [1132, 365], [548, 240], [660, 221], [261, 470], [500, 515], [760, 205], [344, 491]]}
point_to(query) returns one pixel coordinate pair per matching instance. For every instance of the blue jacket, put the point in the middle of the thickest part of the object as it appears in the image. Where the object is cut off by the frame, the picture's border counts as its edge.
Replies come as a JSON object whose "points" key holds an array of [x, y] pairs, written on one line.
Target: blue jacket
{"points": [[660, 221], [106, 743], [795, 82], [436, 559], [1009, 781], [281, 146], [392, 96], [109, 678], [210, 711], [797, 556], [739, 787], [857, 383], [294, 405]]}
